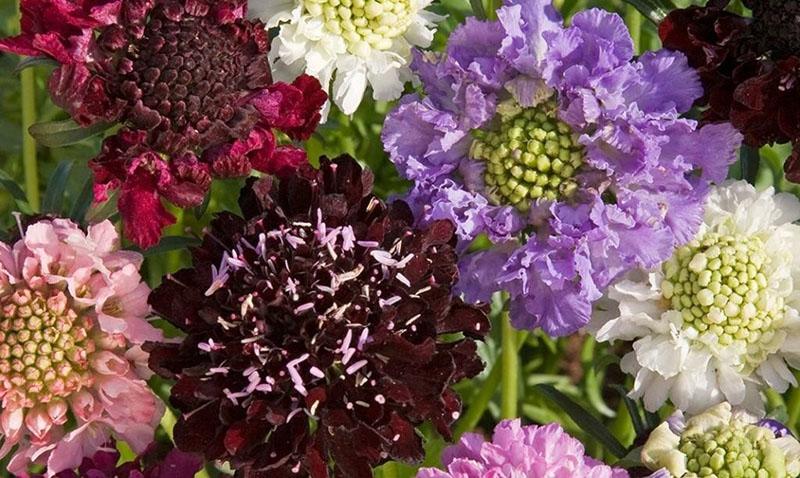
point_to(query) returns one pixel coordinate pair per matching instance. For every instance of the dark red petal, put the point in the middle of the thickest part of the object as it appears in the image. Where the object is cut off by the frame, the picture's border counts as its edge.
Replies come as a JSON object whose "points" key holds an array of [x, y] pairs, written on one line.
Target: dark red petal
{"points": [[143, 215], [294, 109]]}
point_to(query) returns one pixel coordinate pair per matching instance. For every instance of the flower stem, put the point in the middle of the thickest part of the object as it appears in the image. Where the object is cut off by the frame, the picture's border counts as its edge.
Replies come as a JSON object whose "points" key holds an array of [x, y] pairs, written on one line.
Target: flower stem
{"points": [[30, 165], [793, 406], [510, 369]]}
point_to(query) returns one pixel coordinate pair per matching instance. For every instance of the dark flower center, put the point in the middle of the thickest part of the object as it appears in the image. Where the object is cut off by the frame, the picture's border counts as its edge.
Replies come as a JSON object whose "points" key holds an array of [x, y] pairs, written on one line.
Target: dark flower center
{"points": [[776, 26], [185, 79]]}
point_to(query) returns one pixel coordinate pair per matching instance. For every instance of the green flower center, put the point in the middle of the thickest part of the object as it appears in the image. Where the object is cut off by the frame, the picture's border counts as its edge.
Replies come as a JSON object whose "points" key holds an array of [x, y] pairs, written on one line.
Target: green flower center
{"points": [[736, 451], [44, 348], [719, 283], [364, 24], [530, 155]]}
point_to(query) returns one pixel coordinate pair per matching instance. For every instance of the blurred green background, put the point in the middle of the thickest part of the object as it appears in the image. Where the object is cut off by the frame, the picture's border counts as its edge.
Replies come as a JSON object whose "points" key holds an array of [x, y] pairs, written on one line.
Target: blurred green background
{"points": [[579, 368]]}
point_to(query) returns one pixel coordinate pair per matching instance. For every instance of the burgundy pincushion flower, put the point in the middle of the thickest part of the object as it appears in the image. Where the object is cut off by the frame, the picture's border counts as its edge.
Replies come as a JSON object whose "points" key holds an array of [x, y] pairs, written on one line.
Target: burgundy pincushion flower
{"points": [[190, 83], [321, 330], [155, 462], [750, 67]]}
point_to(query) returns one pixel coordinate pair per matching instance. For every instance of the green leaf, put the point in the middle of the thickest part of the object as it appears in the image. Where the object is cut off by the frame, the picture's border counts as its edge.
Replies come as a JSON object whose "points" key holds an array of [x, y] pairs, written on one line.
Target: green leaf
{"points": [[653, 10], [83, 202], [584, 419], [61, 133], [477, 9], [633, 411], [171, 243], [16, 192], [54, 196], [750, 160], [200, 210], [34, 61]]}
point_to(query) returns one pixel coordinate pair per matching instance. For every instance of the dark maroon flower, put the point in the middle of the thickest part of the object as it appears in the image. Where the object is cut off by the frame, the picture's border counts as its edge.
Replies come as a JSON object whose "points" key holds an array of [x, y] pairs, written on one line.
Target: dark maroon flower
{"points": [[321, 330], [190, 83], [750, 67], [155, 462]]}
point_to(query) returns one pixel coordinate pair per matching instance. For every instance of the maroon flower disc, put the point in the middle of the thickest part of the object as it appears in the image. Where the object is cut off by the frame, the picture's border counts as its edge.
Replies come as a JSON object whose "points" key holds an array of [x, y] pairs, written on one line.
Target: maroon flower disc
{"points": [[750, 67], [189, 82], [321, 330]]}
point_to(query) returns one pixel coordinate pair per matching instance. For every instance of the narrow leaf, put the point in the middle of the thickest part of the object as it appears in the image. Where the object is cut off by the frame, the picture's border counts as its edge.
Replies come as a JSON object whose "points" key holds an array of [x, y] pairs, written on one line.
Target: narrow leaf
{"points": [[750, 160], [653, 10], [16, 192], [171, 243], [200, 210], [633, 411], [477, 9], [584, 419], [54, 196], [34, 61], [62, 133], [83, 202]]}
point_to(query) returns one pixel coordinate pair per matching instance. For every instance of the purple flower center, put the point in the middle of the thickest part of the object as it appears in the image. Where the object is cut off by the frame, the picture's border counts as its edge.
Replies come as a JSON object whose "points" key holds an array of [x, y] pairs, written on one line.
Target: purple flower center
{"points": [[530, 154], [186, 78]]}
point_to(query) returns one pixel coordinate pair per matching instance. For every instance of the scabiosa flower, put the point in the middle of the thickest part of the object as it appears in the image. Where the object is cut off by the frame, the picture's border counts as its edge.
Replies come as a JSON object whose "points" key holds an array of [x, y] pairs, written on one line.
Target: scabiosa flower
{"points": [[517, 450], [190, 83], [721, 443], [750, 67], [719, 320], [154, 463], [321, 330], [72, 369], [560, 147], [360, 42]]}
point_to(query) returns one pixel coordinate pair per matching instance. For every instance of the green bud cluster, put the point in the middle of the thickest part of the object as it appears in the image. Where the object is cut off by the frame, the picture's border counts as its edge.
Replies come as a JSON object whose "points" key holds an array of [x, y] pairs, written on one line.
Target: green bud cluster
{"points": [[44, 347], [531, 155], [363, 24], [739, 450], [719, 283]]}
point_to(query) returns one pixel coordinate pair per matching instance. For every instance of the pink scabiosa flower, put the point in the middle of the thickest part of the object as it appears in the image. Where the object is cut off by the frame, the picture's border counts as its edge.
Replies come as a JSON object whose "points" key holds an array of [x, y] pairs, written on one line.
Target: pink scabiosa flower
{"points": [[190, 84], [321, 330], [517, 450], [72, 319]]}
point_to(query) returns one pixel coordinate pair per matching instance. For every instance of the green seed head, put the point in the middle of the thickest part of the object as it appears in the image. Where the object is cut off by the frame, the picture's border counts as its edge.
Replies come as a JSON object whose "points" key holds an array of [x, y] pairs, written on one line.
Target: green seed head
{"points": [[531, 155], [363, 24], [737, 450], [44, 347], [719, 284]]}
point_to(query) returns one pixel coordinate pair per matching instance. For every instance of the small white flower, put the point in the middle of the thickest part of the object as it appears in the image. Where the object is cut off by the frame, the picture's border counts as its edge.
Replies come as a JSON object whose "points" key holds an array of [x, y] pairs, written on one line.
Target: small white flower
{"points": [[352, 43], [718, 321]]}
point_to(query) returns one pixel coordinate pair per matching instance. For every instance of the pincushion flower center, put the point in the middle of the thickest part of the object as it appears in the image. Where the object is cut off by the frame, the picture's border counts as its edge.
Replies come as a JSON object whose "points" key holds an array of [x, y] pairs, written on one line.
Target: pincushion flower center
{"points": [[739, 450], [719, 284], [364, 24], [44, 348], [530, 155]]}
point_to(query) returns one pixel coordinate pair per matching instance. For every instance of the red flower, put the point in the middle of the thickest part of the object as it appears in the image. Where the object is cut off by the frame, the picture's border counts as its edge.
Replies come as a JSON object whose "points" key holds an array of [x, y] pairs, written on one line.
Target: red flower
{"points": [[189, 82], [321, 330], [750, 67]]}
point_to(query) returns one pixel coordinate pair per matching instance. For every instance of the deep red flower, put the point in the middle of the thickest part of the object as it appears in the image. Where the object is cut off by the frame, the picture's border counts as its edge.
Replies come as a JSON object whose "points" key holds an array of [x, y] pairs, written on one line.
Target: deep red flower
{"points": [[189, 82], [156, 462], [321, 330], [750, 67]]}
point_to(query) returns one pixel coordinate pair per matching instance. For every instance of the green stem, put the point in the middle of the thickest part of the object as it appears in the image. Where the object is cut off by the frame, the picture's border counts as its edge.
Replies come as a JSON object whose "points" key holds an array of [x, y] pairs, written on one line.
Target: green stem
{"points": [[793, 405], [634, 20], [491, 8], [30, 165], [509, 357]]}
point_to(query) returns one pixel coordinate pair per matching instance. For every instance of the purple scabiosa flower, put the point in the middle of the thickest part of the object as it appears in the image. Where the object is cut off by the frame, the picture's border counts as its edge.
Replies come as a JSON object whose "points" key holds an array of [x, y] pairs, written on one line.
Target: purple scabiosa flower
{"points": [[321, 330], [517, 450], [566, 151]]}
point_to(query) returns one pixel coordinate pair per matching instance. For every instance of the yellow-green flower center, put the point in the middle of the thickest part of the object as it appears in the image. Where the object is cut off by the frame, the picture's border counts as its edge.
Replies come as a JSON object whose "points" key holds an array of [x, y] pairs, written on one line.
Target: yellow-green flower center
{"points": [[44, 348], [736, 451], [719, 284], [363, 24], [530, 155]]}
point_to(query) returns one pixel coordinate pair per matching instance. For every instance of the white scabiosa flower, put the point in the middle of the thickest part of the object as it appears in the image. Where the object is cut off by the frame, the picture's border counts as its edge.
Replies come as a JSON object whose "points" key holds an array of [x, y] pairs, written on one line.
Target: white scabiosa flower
{"points": [[719, 320], [721, 443], [352, 43]]}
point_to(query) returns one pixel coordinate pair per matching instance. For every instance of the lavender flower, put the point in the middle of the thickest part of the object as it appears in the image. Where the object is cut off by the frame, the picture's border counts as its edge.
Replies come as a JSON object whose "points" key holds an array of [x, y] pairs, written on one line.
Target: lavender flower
{"points": [[568, 153]]}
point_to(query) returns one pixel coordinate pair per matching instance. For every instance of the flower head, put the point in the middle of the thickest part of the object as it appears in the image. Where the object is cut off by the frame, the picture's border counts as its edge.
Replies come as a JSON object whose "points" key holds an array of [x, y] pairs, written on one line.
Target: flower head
{"points": [[517, 450], [154, 463], [719, 320], [568, 153], [750, 67], [73, 314], [321, 330], [361, 43], [721, 443], [190, 83]]}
